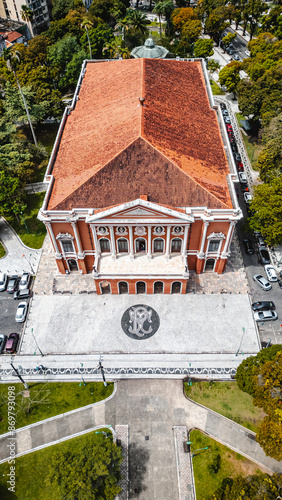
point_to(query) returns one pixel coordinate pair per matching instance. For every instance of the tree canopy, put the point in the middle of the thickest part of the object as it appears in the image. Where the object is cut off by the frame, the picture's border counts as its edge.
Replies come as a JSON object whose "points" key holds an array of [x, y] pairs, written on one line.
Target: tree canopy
{"points": [[256, 487]]}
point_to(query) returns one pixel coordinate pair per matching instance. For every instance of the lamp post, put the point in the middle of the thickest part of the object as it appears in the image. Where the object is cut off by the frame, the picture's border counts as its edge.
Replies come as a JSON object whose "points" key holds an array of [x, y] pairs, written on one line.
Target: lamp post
{"points": [[239, 348], [20, 377], [101, 368], [28, 260], [199, 449], [268, 343], [36, 343]]}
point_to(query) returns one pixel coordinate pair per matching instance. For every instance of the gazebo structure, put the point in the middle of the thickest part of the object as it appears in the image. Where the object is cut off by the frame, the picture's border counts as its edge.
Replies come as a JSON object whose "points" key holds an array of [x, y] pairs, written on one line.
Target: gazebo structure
{"points": [[149, 49]]}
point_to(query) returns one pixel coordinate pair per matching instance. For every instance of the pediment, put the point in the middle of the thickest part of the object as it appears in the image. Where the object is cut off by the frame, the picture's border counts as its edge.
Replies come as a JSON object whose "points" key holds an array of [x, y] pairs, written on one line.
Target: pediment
{"points": [[140, 210]]}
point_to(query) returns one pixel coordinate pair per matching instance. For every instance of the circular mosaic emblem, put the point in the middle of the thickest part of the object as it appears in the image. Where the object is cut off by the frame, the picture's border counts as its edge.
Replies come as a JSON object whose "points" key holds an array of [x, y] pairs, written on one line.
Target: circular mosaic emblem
{"points": [[140, 322]]}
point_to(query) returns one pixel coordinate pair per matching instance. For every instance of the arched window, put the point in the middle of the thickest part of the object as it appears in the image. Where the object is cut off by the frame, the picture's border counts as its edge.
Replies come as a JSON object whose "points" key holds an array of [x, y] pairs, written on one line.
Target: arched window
{"points": [[210, 265], [140, 245], [176, 287], [140, 287], [105, 245], [105, 287], [176, 245], [158, 245], [158, 287], [122, 245], [122, 287]]}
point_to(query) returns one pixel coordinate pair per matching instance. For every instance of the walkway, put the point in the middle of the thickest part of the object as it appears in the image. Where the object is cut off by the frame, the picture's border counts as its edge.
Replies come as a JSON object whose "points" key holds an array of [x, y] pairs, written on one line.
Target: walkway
{"points": [[19, 258], [151, 409]]}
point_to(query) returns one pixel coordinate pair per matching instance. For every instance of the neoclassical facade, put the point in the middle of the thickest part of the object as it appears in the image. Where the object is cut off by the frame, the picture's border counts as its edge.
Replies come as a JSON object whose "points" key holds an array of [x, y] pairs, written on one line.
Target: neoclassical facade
{"points": [[141, 178]]}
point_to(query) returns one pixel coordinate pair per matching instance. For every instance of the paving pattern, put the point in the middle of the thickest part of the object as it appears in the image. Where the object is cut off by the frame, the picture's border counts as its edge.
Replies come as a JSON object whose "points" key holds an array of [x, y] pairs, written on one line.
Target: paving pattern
{"points": [[184, 466], [122, 436]]}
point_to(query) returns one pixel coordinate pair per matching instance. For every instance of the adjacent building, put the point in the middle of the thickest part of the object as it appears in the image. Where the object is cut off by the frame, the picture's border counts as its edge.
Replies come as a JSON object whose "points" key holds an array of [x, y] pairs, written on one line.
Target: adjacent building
{"points": [[141, 178], [11, 9]]}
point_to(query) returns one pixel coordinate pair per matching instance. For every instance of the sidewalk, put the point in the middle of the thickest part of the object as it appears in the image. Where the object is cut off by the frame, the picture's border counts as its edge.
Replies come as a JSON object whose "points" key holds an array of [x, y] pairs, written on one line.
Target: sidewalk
{"points": [[19, 258], [150, 408]]}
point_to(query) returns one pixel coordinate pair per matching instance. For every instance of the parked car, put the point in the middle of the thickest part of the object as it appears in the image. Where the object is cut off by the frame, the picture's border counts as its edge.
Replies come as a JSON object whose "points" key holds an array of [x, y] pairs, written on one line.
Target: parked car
{"points": [[227, 119], [236, 57], [245, 188], [225, 112], [264, 305], [22, 294], [24, 281], [229, 128], [3, 340], [265, 315], [247, 52], [249, 249], [270, 272], [223, 105], [242, 178], [279, 283], [280, 274], [247, 197], [12, 284], [3, 281], [234, 147], [263, 283], [263, 256], [237, 157], [259, 239], [240, 166], [12, 342], [237, 192], [21, 312]]}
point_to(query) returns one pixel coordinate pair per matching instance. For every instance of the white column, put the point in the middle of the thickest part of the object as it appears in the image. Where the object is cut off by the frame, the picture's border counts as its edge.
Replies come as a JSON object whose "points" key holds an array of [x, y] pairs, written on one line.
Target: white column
{"points": [[201, 253], [96, 241], [185, 239], [57, 252], [167, 250], [131, 248], [113, 243], [228, 239], [78, 242], [149, 250]]}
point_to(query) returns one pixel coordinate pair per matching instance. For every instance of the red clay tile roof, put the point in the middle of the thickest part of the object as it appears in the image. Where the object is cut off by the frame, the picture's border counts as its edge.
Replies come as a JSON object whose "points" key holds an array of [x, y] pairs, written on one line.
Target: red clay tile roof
{"points": [[11, 36], [113, 149]]}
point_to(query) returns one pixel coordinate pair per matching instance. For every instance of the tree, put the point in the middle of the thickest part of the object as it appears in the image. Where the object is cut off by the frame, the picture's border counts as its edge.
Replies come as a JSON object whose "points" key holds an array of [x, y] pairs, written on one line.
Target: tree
{"points": [[98, 36], [115, 50], [180, 17], [138, 22], [270, 158], [191, 31], [86, 24], [165, 8], [267, 207], [60, 8], [229, 76], [91, 471], [203, 48], [11, 56], [216, 24], [26, 13], [269, 436], [102, 9], [228, 39], [256, 487], [12, 194], [213, 65], [251, 14], [14, 106]]}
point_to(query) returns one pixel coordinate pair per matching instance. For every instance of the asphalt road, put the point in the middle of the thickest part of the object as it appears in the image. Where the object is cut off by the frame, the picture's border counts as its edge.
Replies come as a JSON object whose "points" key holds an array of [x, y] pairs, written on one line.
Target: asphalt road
{"points": [[240, 45], [8, 308]]}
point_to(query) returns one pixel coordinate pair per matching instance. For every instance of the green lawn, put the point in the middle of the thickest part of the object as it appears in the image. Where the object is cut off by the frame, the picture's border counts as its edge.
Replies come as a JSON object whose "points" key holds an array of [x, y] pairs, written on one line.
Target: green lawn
{"points": [[252, 146], [216, 90], [2, 251], [228, 400], [30, 471], [31, 231], [49, 399], [216, 463]]}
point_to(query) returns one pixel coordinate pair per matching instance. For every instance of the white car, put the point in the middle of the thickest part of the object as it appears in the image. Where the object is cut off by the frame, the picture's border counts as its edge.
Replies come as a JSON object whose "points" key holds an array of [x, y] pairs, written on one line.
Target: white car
{"points": [[262, 282], [247, 52], [248, 198], [242, 178], [265, 315], [24, 282], [3, 281], [21, 312], [270, 272]]}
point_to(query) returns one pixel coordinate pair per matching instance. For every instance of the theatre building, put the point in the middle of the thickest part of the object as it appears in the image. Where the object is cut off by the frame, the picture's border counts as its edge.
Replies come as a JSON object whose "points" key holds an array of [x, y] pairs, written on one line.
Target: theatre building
{"points": [[141, 176]]}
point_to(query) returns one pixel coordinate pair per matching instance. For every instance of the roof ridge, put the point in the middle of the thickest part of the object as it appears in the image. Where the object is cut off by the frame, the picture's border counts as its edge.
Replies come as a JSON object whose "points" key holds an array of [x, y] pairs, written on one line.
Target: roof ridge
{"points": [[185, 173]]}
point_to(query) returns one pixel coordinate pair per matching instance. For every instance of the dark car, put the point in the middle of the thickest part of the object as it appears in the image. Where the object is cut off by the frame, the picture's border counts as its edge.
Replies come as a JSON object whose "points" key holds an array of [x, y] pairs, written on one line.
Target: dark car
{"points": [[265, 305], [237, 157], [234, 147], [12, 342], [22, 294], [249, 249], [3, 339], [12, 284], [222, 105], [263, 256], [279, 283], [237, 192]]}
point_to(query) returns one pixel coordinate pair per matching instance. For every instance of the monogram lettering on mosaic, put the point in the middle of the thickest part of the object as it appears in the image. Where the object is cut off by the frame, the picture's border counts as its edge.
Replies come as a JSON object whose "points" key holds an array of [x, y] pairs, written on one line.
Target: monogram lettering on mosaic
{"points": [[140, 322]]}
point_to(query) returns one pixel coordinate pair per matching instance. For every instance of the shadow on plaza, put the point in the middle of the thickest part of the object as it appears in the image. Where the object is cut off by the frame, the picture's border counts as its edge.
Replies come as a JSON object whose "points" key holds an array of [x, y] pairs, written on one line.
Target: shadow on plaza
{"points": [[138, 458]]}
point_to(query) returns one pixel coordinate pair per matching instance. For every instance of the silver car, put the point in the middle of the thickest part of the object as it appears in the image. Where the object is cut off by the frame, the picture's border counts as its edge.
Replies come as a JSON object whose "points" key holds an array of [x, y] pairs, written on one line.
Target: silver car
{"points": [[265, 315], [262, 281], [3, 281], [21, 312], [24, 282]]}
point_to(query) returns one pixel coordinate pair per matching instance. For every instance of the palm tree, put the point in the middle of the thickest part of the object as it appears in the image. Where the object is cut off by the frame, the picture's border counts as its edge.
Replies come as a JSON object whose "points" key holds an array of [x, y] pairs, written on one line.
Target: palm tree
{"points": [[165, 8], [11, 56], [86, 24], [26, 13], [138, 21], [115, 50], [158, 9], [123, 25]]}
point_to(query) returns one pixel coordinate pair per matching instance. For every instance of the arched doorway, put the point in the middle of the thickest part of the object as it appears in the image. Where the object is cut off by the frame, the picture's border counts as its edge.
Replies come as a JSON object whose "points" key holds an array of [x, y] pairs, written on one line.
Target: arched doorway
{"points": [[158, 287], [210, 265], [122, 287], [122, 245], [158, 245], [105, 287], [176, 287], [72, 265], [176, 245], [140, 245], [140, 287]]}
